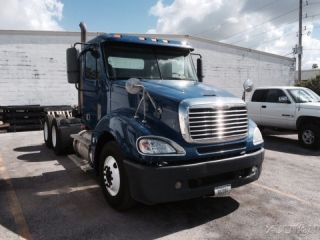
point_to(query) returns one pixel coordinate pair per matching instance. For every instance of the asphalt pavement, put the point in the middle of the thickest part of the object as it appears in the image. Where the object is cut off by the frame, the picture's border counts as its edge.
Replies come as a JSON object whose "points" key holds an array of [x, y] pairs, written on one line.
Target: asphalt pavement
{"points": [[43, 196]]}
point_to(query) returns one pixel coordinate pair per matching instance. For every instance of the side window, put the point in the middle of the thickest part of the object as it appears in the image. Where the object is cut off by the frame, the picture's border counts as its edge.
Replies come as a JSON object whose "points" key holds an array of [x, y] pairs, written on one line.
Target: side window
{"points": [[275, 96], [92, 67], [259, 95]]}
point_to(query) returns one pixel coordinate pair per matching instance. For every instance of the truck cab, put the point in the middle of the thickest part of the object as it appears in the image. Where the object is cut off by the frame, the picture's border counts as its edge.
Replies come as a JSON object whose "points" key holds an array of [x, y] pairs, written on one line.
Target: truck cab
{"points": [[149, 126]]}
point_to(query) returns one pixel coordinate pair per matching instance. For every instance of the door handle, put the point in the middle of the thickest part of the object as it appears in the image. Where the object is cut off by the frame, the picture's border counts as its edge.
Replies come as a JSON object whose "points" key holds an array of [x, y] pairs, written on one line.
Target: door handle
{"points": [[263, 106], [286, 115]]}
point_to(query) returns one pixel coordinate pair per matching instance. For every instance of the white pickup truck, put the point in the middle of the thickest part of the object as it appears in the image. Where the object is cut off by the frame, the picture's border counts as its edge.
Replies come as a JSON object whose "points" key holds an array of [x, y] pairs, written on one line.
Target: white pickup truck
{"points": [[292, 108]]}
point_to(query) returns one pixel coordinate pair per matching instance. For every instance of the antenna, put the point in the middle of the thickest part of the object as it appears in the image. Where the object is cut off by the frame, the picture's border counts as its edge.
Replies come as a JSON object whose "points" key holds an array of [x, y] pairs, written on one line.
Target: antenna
{"points": [[300, 41]]}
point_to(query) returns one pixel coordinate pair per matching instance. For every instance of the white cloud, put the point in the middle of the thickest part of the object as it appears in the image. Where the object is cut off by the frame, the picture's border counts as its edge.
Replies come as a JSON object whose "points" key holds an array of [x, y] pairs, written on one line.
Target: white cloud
{"points": [[267, 25], [31, 14], [177, 15]]}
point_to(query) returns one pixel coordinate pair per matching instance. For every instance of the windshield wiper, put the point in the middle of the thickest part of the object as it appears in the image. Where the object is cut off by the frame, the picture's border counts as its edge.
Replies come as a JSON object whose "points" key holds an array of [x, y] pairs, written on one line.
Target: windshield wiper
{"points": [[175, 78], [126, 78]]}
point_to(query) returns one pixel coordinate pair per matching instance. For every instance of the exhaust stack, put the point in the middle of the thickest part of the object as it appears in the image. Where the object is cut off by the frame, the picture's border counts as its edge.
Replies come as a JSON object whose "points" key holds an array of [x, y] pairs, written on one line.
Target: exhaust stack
{"points": [[83, 29]]}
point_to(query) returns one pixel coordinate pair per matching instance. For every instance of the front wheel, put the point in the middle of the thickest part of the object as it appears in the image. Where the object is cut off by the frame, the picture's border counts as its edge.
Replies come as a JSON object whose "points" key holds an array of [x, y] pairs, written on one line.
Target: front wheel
{"points": [[309, 136], [113, 178]]}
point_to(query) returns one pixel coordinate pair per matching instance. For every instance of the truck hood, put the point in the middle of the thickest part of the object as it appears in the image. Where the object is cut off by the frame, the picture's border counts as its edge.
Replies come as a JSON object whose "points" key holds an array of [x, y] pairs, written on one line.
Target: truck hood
{"points": [[310, 105], [168, 94], [178, 90]]}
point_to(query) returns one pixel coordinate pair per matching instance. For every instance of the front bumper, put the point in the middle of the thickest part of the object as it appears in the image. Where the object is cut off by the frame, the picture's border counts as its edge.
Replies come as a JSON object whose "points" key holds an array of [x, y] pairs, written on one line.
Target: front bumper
{"points": [[152, 185]]}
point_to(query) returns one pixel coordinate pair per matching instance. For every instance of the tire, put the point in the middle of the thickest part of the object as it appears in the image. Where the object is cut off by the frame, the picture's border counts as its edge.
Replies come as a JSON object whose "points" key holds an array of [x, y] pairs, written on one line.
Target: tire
{"points": [[309, 136], [56, 140], [47, 131], [113, 178]]}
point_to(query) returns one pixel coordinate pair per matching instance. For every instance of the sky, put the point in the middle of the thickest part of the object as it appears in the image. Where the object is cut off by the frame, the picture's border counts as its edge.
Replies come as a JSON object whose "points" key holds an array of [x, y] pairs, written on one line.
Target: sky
{"points": [[266, 25]]}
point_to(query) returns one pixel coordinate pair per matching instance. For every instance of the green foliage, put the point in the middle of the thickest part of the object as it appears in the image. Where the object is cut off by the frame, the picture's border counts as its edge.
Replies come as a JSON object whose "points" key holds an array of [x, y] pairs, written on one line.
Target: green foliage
{"points": [[313, 84]]}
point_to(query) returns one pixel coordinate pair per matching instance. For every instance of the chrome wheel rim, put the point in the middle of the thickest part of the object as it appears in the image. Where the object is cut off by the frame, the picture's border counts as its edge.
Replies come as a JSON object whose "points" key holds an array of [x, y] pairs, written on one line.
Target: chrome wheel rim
{"points": [[54, 136], [111, 176], [308, 137], [45, 131]]}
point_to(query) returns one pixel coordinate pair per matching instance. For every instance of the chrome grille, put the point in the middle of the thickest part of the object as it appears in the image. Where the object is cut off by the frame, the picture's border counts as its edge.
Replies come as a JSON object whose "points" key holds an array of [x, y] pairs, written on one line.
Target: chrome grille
{"points": [[215, 124]]}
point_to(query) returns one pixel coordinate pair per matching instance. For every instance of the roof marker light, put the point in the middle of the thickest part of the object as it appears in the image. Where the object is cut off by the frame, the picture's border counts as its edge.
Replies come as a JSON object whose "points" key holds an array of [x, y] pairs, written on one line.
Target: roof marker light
{"points": [[153, 39], [165, 41], [117, 35], [142, 38]]}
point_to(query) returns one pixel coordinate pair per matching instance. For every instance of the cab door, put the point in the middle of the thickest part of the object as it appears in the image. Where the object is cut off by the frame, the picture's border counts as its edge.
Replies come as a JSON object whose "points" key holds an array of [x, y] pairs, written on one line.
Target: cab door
{"points": [[90, 88], [254, 106], [277, 110]]}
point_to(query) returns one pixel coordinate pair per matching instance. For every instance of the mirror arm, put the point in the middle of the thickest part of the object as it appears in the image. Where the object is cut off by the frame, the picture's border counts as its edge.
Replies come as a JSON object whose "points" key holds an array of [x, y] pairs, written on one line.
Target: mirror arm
{"points": [[92, 49], [196, 54], [85, 44], [83, 90], [134, 86]]}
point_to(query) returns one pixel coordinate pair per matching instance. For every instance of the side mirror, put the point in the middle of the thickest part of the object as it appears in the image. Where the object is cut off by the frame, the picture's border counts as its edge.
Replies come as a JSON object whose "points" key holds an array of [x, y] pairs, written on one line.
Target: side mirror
{"points": [[284, 99], [199, 69], [248, 85], [134, 86], [73, 65]]}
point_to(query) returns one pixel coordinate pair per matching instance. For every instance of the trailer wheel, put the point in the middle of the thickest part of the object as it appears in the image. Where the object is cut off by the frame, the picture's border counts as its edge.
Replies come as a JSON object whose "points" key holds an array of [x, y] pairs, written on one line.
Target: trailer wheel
{"points": [[56, 140], [47, 131], [309, 136], [113, 178]]}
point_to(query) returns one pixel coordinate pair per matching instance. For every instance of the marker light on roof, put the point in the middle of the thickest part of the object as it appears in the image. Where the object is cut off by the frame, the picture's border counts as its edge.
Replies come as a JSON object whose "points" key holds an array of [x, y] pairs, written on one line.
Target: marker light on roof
{"points": [[142, 38], [165, 40], [153, 39], [117, 35], [184, 43]]}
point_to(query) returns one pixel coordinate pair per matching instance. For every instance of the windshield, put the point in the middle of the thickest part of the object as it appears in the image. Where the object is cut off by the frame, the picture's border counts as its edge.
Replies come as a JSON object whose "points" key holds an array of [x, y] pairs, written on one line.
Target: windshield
{"points": [[304, 95], [124, 62]]}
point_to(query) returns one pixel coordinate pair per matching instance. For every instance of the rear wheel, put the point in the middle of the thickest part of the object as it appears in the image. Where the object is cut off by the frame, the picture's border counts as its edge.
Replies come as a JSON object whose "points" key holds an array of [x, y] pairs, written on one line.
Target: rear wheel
{"points": [[309, 136], [113, 177], [47, 131], [56, 140]]}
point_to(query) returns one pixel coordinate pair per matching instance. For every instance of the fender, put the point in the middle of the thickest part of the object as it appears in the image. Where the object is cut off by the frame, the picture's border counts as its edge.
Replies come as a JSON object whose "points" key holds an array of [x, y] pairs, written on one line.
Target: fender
{"points": [[307, 117], [122, 128]]}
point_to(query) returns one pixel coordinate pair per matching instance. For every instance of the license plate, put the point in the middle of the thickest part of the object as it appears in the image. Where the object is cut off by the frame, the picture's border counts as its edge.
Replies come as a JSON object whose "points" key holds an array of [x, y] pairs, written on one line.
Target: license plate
{"points": [[222, 191]]}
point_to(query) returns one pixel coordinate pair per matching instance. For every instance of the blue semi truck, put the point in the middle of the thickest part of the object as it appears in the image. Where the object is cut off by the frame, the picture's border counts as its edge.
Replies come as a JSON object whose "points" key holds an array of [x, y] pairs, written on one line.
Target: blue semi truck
{"points": [[149, 126]]}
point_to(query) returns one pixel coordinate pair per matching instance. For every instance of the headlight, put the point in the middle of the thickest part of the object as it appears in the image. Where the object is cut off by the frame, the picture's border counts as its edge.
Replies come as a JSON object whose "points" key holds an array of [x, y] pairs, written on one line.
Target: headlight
{"points": [[257, 137], [158, 146]]}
